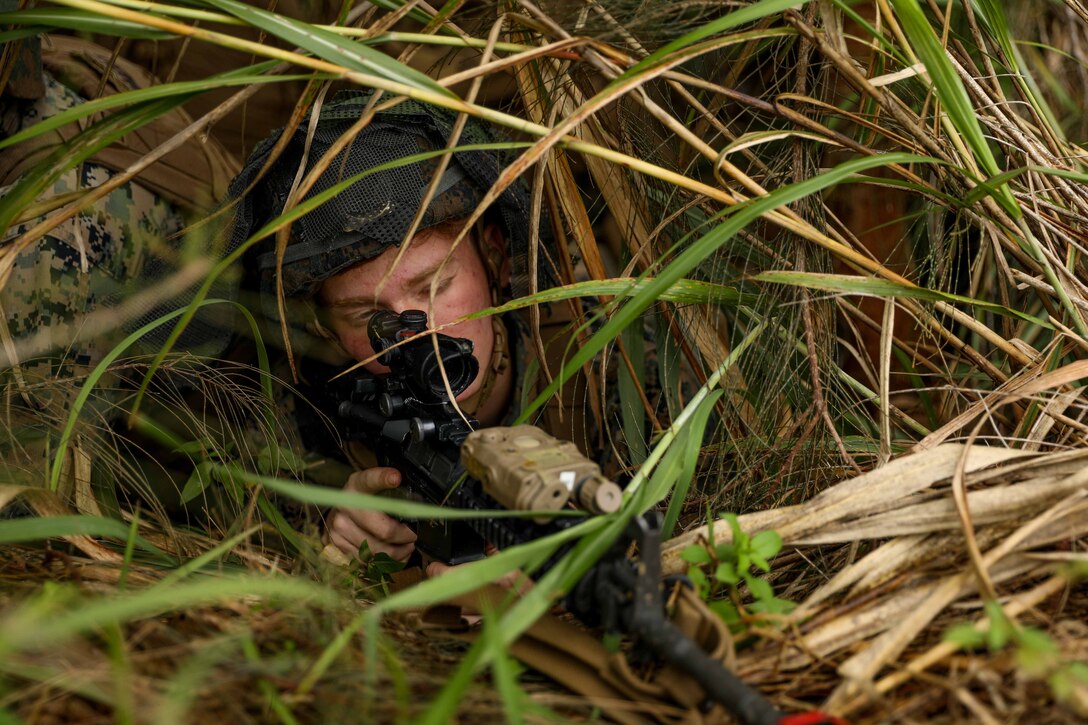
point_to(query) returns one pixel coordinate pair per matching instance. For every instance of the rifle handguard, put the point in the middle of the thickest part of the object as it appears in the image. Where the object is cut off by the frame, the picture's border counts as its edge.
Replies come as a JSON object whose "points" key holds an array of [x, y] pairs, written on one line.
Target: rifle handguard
{"points": [[525, 469]]}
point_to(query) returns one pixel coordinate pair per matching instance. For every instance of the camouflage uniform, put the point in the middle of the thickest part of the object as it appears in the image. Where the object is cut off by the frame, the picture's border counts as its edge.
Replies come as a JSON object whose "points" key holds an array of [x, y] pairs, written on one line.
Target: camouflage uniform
{"points": [[85, 264], [60, 295]]}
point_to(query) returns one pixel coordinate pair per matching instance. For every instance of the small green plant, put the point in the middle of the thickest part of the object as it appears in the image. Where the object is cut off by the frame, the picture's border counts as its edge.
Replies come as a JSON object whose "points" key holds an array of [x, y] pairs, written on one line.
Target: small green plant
{"points": [[730, 565], [1037, 655], [376, 568]]}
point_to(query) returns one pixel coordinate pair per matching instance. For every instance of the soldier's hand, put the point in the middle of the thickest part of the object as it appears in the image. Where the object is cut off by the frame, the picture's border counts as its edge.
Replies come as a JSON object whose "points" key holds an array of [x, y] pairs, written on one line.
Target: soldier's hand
{"points": [[349, 528]]}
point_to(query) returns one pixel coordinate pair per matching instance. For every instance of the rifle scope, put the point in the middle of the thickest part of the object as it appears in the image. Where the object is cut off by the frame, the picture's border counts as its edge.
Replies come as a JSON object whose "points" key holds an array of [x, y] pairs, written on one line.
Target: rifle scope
{"points": [[403, 349]]}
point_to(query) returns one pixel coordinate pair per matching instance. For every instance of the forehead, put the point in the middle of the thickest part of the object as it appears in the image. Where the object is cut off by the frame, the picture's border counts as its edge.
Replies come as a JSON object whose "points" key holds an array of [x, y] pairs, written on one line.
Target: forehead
{"points": [[430, 251]]}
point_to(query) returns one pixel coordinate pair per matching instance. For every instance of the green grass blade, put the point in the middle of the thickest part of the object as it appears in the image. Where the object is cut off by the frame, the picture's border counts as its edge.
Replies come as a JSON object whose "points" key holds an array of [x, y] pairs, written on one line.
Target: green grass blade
{"points": [[883, 288], [45, 19], [141, 95], [953, 96], [342, 498], [30, 186], [690, 442], [746, 14], [196, 564], [329, 46], [40, 528], [92, 380], [36, 625]]}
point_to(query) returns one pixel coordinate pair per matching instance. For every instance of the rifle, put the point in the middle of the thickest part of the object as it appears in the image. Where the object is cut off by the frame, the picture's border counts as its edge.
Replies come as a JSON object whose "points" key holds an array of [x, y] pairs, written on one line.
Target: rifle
{"points": [[407, 418]]}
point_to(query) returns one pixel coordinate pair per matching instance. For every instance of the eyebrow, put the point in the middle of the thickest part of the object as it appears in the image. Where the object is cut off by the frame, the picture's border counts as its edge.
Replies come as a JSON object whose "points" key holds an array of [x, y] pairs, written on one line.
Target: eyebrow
{"points": [[423, 276]]}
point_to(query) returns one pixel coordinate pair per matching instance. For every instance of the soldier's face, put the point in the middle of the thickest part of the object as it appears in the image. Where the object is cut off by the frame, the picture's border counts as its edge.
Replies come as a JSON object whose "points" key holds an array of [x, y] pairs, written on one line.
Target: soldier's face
{"points": [[461, 287]]}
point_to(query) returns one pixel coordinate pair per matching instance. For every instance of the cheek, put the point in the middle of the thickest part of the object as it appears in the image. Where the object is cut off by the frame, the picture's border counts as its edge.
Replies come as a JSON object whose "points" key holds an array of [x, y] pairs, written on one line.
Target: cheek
{"points": [[357, 343]]}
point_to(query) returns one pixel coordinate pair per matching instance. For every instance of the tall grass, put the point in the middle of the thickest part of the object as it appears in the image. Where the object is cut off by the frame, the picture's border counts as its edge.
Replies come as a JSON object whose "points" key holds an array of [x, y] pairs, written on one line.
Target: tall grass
{"points": [[704, 175]]}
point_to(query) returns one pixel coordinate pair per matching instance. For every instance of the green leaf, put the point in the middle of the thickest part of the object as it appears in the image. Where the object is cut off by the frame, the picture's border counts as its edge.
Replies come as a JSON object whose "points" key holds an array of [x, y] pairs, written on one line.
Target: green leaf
{"points": [[744, 560], [379, 566], [1061, 684], [1036, 640], [1078, 671], [700, 581], [765, 546], [727, 573], [198, 481], [726, 552], [739, 537], [1036, 652], [727, 611], [761, 589], [696, 554], [1033, 663], [1001, 629], [965, 635], [772, 605]]}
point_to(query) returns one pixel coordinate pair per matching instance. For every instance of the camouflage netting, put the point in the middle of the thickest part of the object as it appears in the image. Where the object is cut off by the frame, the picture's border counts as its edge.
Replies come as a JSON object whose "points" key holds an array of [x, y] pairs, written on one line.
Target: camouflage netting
{"points": [[376, 211]]}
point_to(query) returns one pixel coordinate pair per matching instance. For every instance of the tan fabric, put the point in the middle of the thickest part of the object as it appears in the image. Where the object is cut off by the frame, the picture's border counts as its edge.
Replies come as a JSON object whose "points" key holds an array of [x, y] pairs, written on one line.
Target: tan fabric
{"points": [[578, 661], [194, 177]]}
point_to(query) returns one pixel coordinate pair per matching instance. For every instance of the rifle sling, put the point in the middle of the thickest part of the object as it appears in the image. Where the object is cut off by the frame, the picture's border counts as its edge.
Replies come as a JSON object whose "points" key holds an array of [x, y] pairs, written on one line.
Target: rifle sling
{"points": [[577, 660]]}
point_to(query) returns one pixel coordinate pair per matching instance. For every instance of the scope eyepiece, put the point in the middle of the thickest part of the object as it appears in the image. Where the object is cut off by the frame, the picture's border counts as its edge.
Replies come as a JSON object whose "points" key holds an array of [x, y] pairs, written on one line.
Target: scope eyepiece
{"points": [[414, 358]]}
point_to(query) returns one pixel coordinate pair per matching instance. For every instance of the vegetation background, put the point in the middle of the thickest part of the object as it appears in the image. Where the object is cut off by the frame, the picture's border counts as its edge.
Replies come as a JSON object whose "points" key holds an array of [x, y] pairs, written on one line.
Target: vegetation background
{"points": [[859, 224]]}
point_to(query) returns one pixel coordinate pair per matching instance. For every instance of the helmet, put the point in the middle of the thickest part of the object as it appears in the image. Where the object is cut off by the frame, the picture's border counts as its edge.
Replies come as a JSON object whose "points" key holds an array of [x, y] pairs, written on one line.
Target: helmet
{"points": [[375, 212]]}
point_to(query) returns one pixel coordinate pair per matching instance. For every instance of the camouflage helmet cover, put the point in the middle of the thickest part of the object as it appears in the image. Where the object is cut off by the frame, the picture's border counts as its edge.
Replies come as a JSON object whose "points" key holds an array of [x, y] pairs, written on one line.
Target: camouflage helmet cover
{"points": [[375, 212]]}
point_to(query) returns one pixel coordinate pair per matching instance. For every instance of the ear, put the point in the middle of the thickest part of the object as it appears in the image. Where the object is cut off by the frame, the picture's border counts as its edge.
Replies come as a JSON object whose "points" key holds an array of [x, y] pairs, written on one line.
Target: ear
{"points": [[493, 248], [325, 343]]}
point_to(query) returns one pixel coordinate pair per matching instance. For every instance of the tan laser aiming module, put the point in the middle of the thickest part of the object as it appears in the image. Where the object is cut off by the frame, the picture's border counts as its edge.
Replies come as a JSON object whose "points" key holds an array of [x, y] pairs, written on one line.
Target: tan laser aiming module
{"points": [[525, 469]]}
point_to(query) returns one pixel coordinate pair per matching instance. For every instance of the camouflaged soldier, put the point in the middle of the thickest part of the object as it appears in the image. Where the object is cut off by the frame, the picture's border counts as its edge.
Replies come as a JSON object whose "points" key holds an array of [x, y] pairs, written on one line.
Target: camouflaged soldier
{"points": [[63, 293], [347, 258]]}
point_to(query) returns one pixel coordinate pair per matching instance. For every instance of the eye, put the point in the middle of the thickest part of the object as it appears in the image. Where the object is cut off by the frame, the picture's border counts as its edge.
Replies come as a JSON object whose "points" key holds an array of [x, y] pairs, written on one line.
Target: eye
{"points": [[361, 317]]}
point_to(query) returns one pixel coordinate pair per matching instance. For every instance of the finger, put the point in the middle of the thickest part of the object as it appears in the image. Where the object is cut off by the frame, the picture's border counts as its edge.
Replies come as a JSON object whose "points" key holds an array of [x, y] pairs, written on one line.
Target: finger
{"points": [[341, 543], [386, 528], [399, 552], [342, 525], [373, 480], [437, 568], [379, 526], [355, 525]]}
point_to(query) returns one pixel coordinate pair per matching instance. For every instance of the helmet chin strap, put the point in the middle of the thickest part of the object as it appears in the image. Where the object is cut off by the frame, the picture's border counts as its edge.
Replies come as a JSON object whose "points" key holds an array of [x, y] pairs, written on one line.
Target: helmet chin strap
{"points": [[493, 259], [500, 361]]}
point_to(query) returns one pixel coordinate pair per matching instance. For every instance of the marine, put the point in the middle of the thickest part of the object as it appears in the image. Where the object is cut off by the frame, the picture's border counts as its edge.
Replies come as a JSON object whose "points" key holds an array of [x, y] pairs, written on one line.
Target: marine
{"points": [[364, 250]]}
